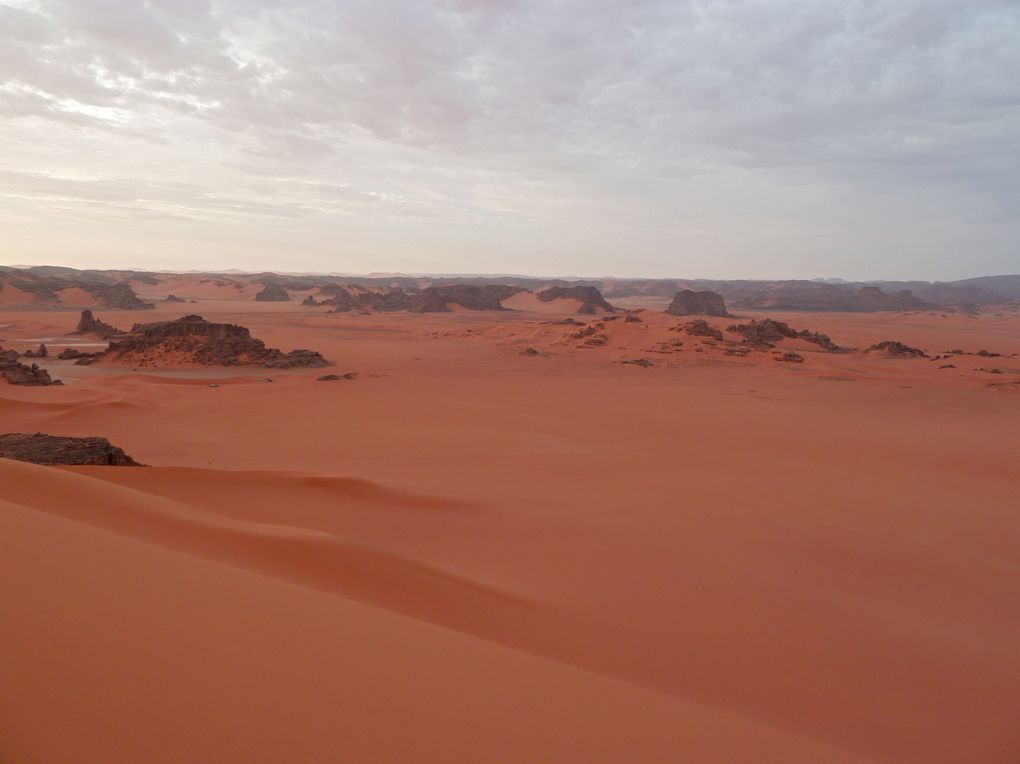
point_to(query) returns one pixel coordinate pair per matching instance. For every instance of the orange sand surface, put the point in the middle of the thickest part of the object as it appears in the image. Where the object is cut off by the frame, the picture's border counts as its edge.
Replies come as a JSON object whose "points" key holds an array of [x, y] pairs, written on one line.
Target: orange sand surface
{"points": [[471, 554]]}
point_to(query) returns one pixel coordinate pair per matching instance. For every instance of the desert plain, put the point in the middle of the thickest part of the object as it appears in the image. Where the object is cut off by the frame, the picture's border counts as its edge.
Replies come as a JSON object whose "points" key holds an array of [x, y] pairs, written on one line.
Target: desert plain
{"points": [[497, 541]]}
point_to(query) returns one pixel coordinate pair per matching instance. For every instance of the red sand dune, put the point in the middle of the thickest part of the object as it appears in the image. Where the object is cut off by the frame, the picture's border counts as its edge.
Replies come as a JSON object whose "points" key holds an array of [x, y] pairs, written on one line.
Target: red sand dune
{"points": [[468, 554]]}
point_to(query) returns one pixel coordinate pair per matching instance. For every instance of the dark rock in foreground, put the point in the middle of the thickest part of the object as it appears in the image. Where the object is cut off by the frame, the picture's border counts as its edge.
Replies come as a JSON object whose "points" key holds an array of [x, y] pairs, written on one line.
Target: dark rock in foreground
{"points": [[53, 449], [42, 352], [687, 302]]}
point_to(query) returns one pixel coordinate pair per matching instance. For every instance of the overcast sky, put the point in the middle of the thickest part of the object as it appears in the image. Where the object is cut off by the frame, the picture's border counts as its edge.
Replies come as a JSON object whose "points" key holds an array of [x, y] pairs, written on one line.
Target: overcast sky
{"points": [[692, 138]]}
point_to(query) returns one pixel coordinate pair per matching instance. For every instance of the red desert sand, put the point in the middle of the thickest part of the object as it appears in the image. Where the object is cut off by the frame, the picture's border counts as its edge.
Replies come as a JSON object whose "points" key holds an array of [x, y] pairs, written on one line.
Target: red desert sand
{"points": [[472, 552]]}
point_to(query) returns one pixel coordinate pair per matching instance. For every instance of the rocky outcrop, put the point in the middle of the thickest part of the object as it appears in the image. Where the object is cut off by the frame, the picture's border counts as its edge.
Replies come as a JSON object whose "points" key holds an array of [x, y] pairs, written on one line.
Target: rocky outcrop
{"points": [[591, 299], [53, 449], [89, 324], [173, 298], [766, 333], [896, 350], [436, 299], [17, 373], [41, 352], [310, 302], [687, 302], [117, 296], [192, 339], [337, 297], [72, 354], [273, 292], [699, 328]]}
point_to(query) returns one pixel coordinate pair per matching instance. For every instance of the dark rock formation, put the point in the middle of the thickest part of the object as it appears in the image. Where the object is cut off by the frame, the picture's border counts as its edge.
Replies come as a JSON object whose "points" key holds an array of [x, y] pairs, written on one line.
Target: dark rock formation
{"points": [[17, 373], [193, 339], [897, 350], [42, 352], [173, 298], [89, 324], [310, 302], [699, 328], [338, 377], [337, 297], [687, 302], [632, 318], [273, 292], [52, 449], [117, 296], [643, 362], [530, 351], [591, 299], [819, 339], [72, 354], [789, 357], [764, 333], [871, 298], [435, 299]]}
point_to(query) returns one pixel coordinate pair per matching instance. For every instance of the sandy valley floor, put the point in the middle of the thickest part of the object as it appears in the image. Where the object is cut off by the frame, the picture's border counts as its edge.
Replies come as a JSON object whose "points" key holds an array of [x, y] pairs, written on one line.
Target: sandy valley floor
{"points": [[472, 554]]}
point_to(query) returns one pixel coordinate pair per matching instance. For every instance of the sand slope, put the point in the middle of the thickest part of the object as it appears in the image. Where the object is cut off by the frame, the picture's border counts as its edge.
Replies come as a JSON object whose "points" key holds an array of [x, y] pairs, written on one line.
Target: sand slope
{"points": [[467, 553]]}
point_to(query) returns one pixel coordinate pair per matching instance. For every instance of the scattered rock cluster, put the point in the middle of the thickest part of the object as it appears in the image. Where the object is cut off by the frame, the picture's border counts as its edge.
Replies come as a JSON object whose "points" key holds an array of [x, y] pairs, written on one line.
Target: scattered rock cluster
{"points": [[896, 350], [17, 373]]}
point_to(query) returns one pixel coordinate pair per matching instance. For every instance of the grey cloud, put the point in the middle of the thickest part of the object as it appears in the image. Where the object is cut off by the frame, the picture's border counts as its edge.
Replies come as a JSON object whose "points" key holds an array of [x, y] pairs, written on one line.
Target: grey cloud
{"points": [[533, 113]]}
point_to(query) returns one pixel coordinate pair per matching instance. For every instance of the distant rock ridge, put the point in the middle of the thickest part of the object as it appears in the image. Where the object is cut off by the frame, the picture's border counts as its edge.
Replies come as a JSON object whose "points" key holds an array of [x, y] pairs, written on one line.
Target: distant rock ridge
{"points": [[687, 302], [433, 299], [40, 448], [590, 297]]}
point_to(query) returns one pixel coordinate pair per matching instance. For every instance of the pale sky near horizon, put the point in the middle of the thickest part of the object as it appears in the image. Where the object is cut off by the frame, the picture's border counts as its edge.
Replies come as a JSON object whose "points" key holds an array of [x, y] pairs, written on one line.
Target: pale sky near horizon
{"points": [[690, 138]]}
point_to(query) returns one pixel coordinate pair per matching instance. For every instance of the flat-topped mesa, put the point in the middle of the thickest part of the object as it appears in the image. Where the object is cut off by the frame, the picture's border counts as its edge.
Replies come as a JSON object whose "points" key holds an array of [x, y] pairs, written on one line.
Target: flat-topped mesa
{"points": [[273, 292], [41, 448], [871, 298], [192, 339], [591, 299], [436, 299], [766, 332], [16, 373], [687, 302], [89, 324]]}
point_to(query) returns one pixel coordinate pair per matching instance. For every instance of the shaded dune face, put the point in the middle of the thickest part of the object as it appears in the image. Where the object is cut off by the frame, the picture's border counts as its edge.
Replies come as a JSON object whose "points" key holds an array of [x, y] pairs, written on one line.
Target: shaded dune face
{"points": [[467, 552]]}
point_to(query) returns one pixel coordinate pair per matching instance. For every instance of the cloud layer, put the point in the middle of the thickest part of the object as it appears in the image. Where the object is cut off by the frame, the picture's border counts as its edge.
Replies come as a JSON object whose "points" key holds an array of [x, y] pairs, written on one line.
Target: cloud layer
{"points": [[702, 138]]}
